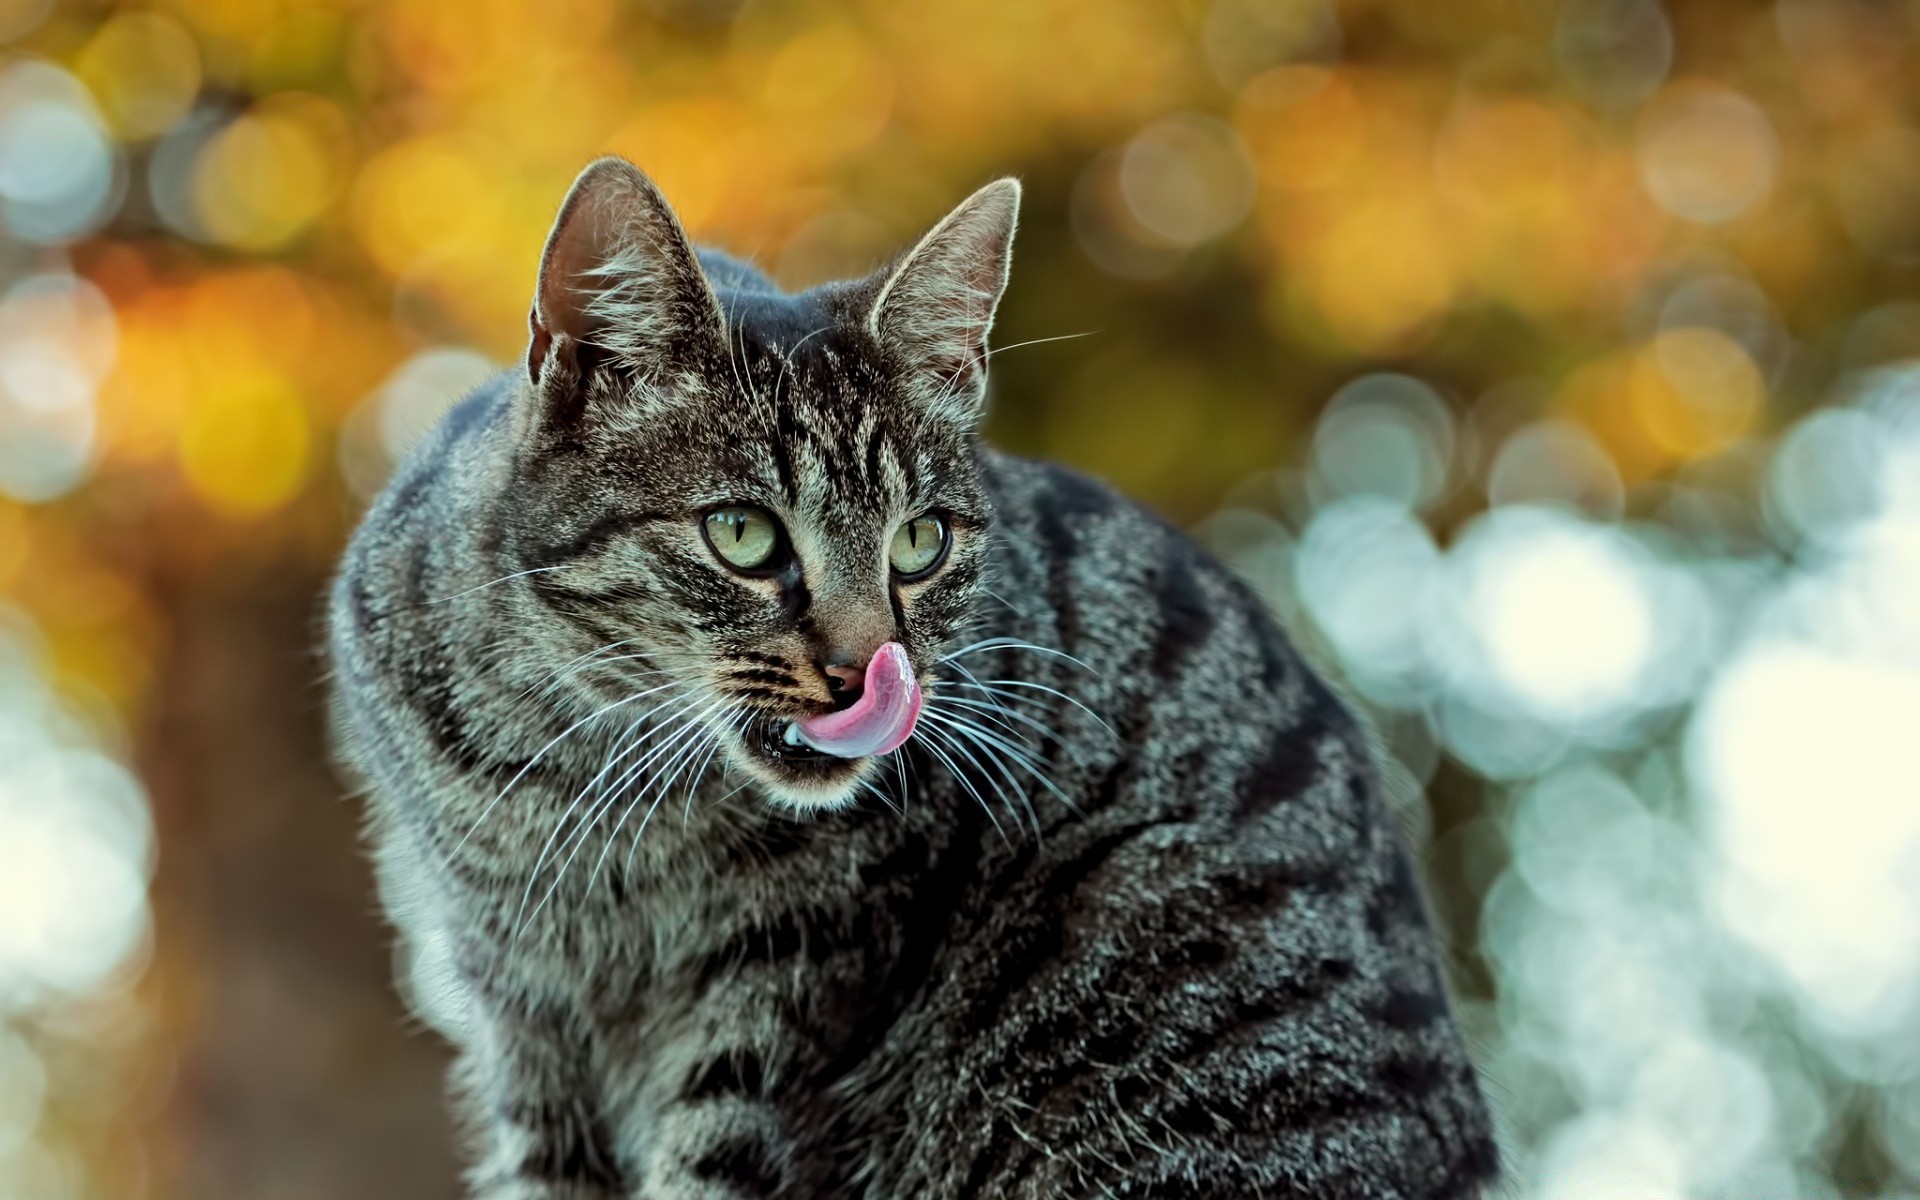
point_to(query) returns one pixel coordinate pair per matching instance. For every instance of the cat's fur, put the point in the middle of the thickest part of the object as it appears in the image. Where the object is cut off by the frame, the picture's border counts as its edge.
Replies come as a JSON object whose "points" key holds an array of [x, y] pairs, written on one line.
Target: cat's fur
{"points": [[1192, 963]]}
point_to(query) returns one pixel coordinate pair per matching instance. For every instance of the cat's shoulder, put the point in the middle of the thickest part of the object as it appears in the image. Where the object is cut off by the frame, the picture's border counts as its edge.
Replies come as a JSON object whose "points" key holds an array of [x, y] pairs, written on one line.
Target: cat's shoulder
{"points": [[1039, 493]]}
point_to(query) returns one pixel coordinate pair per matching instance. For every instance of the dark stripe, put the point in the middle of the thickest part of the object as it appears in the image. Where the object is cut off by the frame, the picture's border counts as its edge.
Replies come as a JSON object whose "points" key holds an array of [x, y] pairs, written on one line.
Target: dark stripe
{"points": [[763, 675], [787, 434], [560, 597], [1290, 766], [873, 455], [571, 1146], [1277, 665], [1028, 942], [593, 539], [429, 686], [1185, 620], [795, 600], [739, 1074], [1068, 496], [762, 693], [1405, 1008], [1398, 903], [742, 1162], [421, 475], [819, 935]]}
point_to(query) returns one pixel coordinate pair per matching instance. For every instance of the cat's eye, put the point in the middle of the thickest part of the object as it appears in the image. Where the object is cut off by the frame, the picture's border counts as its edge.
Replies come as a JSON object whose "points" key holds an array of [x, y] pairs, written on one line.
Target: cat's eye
{"points": [[743, 537], [918, 546]]}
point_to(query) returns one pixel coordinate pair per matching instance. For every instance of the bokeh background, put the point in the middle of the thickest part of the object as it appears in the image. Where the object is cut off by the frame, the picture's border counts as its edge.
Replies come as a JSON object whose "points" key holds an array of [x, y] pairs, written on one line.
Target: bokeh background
{"points": [[1554, 364]]}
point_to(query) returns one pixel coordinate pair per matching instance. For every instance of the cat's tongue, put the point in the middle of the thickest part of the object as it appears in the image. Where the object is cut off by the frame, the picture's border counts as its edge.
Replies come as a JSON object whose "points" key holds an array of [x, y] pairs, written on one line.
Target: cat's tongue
{"points": [[880, 720]]}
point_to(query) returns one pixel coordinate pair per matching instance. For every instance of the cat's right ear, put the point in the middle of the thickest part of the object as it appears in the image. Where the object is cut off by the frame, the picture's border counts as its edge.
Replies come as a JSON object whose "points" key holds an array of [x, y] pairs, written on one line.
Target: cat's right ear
{"points": [[619, 285], [934, 308]]}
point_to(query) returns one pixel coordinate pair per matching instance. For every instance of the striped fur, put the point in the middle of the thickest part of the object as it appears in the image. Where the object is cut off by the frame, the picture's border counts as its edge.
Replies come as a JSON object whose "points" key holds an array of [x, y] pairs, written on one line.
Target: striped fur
{"points": [[1194, 963]]}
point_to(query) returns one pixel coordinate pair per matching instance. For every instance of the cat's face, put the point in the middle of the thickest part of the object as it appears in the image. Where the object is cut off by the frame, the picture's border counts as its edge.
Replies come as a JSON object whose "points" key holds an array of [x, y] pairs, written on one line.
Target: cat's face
{"points": [[754, 494]]}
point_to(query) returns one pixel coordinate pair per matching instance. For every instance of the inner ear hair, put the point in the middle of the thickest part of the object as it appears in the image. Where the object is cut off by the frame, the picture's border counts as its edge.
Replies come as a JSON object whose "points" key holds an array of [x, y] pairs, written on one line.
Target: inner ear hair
{"points": [[619, 275], [934, 309]]}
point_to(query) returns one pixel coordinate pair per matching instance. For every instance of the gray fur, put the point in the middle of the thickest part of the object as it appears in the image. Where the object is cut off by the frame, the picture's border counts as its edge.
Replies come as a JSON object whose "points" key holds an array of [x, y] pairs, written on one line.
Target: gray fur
{"points": [[1193, 962]]}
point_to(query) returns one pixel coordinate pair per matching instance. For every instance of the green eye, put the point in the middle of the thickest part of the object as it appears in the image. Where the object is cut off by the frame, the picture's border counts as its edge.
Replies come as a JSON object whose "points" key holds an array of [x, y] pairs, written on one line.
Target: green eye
{"points": [[918, 546], [744, 537]]}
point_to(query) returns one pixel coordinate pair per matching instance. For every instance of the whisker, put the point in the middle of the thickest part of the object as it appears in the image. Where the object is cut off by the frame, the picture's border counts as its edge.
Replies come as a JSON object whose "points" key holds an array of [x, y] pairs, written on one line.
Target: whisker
{"points": [[1008, 750], [578, 839], [542, 753], [927, 735], [1010, 643], [993, 776], [900, 770], [1063, 337], [554, 685], [570, 663], [626, 745], [613, 835], [663, 788], [731, 725], [786, 360], [995, 686], [1010, 605], [1000, 714], [491, 582]]}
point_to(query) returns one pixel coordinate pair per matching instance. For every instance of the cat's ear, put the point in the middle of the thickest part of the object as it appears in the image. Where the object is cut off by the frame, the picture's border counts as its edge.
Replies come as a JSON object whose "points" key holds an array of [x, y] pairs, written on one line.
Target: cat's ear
{"points": [[935, 307], [618, 280]]}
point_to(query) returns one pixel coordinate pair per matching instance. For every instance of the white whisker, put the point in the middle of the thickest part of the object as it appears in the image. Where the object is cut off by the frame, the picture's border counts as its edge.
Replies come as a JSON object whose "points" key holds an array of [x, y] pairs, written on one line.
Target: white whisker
{"points": [[491, 582], [1005, 751], [625, 747], [542, 753], [927, 735], [1063, 337], [991, 768], [1009, 643]]}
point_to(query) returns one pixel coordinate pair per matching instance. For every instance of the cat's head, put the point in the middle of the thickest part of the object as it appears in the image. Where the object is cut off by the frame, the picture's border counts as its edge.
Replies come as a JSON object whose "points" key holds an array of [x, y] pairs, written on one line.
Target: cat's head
{"points": [[754, 493]]}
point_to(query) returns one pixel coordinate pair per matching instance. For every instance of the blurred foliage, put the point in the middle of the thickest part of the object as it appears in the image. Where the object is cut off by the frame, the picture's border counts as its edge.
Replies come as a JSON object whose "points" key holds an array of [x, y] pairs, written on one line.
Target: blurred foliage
{"points": [[252, 247]]}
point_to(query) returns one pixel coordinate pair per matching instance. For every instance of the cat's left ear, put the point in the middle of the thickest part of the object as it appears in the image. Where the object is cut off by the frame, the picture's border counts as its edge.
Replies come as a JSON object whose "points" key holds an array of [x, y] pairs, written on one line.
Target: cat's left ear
{"points": [[934, 309]]}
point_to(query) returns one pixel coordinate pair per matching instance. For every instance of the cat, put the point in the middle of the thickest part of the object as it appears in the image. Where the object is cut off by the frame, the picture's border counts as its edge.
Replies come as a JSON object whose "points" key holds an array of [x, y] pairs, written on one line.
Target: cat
{"points": [[781, 793]]}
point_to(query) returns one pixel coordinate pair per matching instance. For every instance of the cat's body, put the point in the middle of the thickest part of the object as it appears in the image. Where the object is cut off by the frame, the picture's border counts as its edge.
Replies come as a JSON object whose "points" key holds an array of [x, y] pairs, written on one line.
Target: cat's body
{"points": [[1191, 963]]}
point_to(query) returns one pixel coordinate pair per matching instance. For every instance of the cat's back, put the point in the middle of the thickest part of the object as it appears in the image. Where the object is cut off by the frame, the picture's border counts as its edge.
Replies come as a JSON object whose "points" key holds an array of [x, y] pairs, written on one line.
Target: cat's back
{"points": [[1209, 974]]}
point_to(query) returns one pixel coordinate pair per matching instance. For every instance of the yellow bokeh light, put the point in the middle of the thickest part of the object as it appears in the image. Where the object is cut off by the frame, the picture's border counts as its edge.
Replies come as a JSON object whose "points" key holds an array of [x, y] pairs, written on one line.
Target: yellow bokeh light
{"points": [[703, 153], [1377, 274], [419, 195], [270, 174], [244, 451], [142, 403], [1306, 127], [16, 542], [1508, 155], [228, 20], [830, 93], [1695, 391], [144, 70], [458, 49], [297, 52]]}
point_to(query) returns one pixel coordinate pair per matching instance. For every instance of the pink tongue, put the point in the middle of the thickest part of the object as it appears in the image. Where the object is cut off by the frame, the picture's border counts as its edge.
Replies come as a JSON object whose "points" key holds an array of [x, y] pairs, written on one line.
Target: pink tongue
{"points": [[880, 720]]}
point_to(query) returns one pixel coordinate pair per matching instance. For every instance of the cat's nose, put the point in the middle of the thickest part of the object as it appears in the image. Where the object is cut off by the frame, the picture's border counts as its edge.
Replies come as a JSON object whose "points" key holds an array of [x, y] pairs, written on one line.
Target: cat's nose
{"points": [[844, 680]]}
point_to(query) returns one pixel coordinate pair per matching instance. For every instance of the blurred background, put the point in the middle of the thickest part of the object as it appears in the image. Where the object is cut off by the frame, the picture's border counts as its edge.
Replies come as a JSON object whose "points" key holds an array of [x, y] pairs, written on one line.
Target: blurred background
{"points": [[1555, 366]]}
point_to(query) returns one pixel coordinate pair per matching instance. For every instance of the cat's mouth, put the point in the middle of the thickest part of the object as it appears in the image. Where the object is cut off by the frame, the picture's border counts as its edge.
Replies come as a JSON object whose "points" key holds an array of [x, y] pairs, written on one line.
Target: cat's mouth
{"points": [[879, 722], [823, 750], [799, 773], [778, 738]]}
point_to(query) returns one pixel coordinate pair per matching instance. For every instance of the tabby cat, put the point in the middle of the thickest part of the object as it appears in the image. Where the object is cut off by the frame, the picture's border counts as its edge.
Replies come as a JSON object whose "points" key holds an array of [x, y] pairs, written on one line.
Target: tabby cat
{"points": [[780, 793]]}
